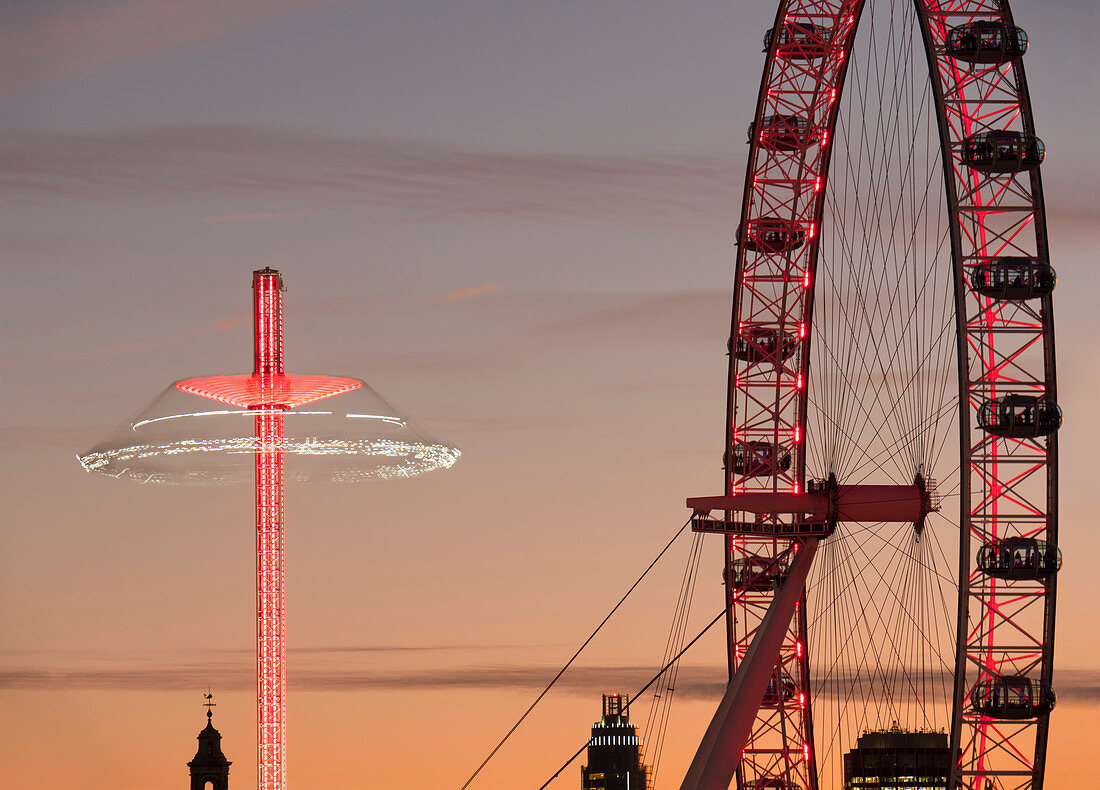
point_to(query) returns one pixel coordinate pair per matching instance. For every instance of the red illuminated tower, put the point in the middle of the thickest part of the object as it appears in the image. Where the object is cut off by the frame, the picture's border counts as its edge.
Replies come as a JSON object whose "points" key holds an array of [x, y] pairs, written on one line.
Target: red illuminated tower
{"points": [[269, 392], [354, 435]]}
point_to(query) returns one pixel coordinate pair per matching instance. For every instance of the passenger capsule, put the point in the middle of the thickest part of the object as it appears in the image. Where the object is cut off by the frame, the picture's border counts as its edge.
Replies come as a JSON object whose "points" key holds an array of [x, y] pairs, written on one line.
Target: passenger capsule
{"points": [[1012, 698], [772, 235], [1019, 559], [1002, 151], [765, 344], [756, 574], [800, 41], [986, 42], [1019, 416], [759, 459], [783, 133], [786, 690], [1013, 278]]}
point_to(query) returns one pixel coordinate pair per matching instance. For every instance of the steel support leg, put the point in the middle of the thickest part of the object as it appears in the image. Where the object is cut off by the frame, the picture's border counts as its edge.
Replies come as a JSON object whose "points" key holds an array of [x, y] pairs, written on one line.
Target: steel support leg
{"points": [[720, 751]]}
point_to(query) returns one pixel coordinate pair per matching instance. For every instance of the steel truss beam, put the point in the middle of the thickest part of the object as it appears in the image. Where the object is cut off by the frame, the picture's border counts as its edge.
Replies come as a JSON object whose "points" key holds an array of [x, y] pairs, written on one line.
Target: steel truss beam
{"points": [[1005, 628]]}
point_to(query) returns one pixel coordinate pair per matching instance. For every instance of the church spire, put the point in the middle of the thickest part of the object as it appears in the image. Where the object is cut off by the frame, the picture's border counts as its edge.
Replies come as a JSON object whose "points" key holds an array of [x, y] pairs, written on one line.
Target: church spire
{"points": [[209, 768]]}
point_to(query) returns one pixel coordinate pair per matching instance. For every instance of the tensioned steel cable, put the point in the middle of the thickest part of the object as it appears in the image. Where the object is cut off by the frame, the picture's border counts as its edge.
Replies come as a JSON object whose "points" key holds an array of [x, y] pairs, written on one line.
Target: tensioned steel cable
{"points": [[643, 690], [569, 663], [661, 703]]}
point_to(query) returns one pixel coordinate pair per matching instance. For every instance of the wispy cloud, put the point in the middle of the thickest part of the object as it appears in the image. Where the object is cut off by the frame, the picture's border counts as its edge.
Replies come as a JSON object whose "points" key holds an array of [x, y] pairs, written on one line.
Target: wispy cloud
{"points": [[133, 346], [1077, 684], [506, 424], [264, 215], [43, 41], [692, 314], [464, 294], [398, 180], [528, 323], [126, 347], [693, 682], [382, 649], [239, 676], [483, 361]]}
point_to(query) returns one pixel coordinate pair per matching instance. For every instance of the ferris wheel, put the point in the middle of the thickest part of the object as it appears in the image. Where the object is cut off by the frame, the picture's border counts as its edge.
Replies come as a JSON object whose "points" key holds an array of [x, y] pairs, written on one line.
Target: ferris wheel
{"points": [[890, 445]]}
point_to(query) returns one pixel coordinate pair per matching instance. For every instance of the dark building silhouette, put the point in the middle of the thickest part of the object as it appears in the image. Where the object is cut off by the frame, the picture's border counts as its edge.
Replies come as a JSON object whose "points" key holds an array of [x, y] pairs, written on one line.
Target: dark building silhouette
{"points": [[898, 759], [209, 769], [614, 750]]}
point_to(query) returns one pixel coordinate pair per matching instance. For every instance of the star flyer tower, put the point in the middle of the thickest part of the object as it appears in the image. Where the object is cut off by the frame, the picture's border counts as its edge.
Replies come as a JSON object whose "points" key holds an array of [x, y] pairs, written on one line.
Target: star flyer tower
{"points": [[351, 433]]}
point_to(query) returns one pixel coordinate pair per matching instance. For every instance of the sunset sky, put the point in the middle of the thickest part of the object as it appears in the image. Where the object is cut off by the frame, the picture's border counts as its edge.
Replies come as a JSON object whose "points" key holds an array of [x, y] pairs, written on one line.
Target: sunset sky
{"points": [[513, 219]]}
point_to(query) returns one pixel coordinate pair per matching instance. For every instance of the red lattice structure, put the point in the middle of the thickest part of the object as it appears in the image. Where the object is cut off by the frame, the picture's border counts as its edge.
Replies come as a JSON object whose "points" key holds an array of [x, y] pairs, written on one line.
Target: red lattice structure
{"points": [[1000, 410], [269, 392], [341, 424]]}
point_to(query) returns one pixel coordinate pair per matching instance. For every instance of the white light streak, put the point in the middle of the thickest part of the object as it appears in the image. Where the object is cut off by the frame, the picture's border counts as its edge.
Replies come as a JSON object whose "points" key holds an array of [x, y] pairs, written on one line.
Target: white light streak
{"points": [[223, 412], [392, 420], [168, 462]]}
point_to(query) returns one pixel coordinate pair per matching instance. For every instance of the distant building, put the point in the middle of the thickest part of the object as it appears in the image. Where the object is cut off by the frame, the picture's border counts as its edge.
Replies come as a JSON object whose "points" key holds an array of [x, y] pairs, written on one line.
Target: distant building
{"points": [[209, 769], [899, 760], [614, 750]]}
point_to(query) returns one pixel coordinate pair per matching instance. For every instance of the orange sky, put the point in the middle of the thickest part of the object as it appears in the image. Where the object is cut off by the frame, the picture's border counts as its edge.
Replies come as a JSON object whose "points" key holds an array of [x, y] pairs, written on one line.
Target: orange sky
{"points": [[512, 219]]}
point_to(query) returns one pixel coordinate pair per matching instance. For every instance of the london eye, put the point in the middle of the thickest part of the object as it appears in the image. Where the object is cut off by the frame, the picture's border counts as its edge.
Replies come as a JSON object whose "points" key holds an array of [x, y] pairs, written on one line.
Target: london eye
{"points": [[892, 408]]}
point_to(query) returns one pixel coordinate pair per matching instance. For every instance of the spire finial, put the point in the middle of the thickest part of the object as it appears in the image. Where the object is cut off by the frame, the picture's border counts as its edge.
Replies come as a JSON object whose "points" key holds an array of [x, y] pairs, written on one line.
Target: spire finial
{"points": [[209, 696]]}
